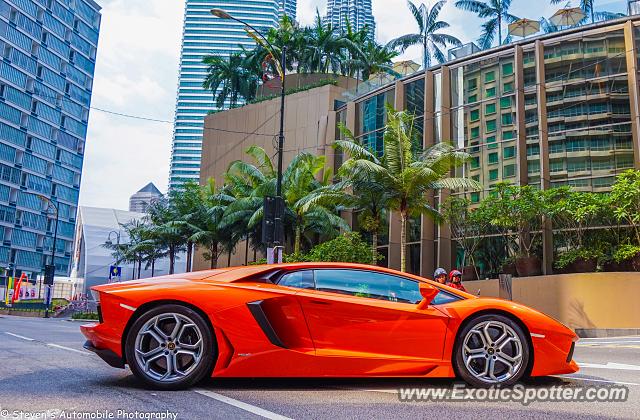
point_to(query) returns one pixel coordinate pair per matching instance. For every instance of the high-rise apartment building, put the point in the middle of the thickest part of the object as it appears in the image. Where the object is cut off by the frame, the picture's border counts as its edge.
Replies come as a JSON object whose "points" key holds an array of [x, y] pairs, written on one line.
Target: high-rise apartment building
{"points": [[357, 12], [203, 35], [48, 52]]}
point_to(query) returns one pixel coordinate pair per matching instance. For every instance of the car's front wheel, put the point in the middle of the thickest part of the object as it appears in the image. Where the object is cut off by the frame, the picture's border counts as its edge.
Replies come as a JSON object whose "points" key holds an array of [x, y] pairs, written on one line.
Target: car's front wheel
{"points": [[491, 350], [170, 347]]}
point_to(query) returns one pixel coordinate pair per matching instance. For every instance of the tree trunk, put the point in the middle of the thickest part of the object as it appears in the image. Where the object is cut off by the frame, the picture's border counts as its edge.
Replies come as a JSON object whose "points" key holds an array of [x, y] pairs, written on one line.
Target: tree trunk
{"points": [[246, 251], [296, 246], [403, 242], [153, 267], [374, 247], [499, 29], [139, 266], [229, 259], [189, 255], [172, 259], [214, 255]]}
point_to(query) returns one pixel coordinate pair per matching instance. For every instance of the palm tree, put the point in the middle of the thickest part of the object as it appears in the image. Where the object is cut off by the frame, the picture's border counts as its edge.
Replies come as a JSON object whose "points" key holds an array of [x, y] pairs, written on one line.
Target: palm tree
{"points": [[253, 182], [407, 177], [495, 11], [427, 35], [376, 58], [226, 78], [161, 215], [322, 50]]}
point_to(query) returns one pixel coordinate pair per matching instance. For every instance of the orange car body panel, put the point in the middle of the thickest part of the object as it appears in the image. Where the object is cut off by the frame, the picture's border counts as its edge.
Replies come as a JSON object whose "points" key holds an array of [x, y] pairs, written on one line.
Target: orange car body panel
{"points": [[321, 333]]}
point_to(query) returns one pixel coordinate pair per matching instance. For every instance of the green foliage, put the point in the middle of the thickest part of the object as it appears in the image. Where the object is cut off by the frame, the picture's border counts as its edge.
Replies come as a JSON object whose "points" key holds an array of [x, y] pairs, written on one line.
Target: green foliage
{"points": [[349, 247], [319, 48], [93, 316], [569, 257], [625, 252], [625, 199], [291, 91], [428, 36]]}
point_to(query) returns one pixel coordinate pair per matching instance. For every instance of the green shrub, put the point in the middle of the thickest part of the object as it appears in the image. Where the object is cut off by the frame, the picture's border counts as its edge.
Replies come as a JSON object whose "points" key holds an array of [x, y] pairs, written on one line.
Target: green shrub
{"points": [[569, 257], [625, 252], [92, 316], [349, 247]]}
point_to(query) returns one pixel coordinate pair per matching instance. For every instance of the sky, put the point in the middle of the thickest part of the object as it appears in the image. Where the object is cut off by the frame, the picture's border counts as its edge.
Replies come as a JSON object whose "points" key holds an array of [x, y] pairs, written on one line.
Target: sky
{"points": [[137, 74]]}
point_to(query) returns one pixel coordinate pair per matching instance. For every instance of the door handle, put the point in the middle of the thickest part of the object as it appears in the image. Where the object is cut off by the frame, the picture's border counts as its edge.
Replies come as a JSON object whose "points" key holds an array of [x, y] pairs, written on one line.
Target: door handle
{"points": [[319, 302]]}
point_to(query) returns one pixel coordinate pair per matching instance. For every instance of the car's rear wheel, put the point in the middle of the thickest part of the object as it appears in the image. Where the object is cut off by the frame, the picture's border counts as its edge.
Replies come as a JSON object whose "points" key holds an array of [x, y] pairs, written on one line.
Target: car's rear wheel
{"points": [[170, 347], [491, 350]]}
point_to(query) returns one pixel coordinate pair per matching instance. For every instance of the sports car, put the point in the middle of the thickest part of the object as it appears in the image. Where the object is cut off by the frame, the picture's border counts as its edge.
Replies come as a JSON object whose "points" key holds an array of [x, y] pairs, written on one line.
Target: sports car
{"points": [[319, 320]]}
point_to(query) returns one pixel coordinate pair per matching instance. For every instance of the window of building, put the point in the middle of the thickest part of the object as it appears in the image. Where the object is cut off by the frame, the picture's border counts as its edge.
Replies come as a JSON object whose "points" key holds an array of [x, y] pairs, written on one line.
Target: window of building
{"points": [[509, 152], [556, 166], [475, 162], [508, 87], [491, 142], [507, 69], [472, 84], [578, 165], [493, 175], [509, 171], [491, 125], [508, 135], [490, 92], [533, 149], [490, 108], [475, 132], [473, 98], [475, 197], [507, 119], [474, 115], [505, 102], [489, 76], [493, 158]]}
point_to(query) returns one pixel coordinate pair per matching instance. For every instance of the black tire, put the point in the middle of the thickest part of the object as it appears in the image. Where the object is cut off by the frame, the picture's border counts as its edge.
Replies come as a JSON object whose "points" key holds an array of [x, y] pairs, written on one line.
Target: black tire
{"points": [[196, 370], [466, 374]]}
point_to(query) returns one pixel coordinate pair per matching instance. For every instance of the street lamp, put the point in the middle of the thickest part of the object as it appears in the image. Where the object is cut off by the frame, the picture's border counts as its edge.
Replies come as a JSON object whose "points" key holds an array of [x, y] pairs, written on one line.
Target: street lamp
{"points": [[282, 66], [110, 241], [51, 268]]}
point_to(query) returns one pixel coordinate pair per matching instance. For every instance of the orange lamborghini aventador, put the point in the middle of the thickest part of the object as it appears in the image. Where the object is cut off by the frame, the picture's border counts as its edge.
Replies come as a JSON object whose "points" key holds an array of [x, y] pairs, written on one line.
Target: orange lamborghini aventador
{"points": [[319, 320]]}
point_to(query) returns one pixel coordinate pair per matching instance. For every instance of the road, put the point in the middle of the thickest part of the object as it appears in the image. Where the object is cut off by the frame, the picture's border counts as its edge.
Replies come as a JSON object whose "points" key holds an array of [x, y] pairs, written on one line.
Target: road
{"points": [[44, 369]]}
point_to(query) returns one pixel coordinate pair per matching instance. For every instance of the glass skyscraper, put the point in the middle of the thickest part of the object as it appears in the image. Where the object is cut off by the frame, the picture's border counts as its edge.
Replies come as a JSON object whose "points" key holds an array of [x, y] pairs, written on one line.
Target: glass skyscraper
{"points": [[46, 76], [203, 35], [358, 12]]}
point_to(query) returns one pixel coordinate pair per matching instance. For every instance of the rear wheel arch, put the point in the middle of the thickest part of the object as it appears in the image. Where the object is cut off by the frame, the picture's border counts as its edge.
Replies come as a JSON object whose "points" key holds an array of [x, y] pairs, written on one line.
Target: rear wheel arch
{"points": [[507, 314]]}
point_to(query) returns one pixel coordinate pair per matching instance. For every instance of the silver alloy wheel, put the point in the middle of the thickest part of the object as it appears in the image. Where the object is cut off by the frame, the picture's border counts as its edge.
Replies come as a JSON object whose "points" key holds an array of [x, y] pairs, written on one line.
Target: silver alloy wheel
{"points": [[492, 352], [168, 347]]}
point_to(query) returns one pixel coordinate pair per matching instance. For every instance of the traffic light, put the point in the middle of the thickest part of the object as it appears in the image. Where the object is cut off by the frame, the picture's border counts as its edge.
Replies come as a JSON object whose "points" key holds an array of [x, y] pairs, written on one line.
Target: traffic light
{"points": [[272, 221], [49, 273]]}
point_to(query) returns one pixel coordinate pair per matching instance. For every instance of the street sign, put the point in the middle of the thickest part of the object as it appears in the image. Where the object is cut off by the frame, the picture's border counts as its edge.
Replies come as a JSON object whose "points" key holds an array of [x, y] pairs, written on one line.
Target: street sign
{"points": [[49, 274], [115, 271]]}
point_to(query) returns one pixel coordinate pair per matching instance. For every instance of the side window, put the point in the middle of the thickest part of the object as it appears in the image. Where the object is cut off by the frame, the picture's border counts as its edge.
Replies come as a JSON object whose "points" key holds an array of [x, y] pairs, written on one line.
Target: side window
{"points": [[444, 297], [299, 279], [369, 285]]}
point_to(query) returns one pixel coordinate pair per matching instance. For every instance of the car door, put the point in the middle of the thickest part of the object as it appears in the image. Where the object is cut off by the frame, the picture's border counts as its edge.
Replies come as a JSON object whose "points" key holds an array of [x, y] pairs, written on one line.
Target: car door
{"points": [[369, 314]]}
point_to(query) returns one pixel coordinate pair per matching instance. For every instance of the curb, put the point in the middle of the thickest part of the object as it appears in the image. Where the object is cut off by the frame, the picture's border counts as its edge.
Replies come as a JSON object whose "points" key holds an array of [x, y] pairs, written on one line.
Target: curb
{"points": [[79, 320], [606, 332]]}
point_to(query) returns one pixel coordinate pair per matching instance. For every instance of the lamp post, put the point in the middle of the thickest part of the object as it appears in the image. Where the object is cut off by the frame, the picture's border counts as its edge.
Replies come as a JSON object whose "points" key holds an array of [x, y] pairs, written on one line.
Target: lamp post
{"points": [[50, 204], [282, 67], [110, 241]]}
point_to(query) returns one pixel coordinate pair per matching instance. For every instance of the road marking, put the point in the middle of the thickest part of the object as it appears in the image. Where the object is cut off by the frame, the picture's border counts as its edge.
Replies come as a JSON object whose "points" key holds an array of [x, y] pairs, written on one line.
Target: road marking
{"points": [[58, 346], [22, 337], [242, 405], [609, 365], [595, 343], [595, 380]]}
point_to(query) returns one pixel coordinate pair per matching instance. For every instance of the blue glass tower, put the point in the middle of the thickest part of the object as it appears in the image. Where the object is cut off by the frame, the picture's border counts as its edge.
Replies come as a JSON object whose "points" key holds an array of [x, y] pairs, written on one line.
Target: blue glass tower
{"points": [[46, 76], [204, 35]]}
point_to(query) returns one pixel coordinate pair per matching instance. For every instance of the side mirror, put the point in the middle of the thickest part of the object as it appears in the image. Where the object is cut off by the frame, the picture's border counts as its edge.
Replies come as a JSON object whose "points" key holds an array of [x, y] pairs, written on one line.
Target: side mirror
{"points": [[428, 293]]}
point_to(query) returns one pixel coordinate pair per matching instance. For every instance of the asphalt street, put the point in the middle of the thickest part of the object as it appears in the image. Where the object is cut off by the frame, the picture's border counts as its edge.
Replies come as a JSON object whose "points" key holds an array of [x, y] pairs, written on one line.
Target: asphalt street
{"points": [[44, 371]]}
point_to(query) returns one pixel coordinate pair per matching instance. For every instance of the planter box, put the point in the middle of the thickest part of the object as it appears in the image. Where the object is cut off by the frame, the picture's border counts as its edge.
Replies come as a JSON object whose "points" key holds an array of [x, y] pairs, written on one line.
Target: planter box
{"points": [[528, 266]]}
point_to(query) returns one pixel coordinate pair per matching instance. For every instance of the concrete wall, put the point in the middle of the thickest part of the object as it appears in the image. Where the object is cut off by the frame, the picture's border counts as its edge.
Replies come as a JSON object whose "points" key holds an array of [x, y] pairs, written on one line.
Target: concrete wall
{"points": [[591, 300]]}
